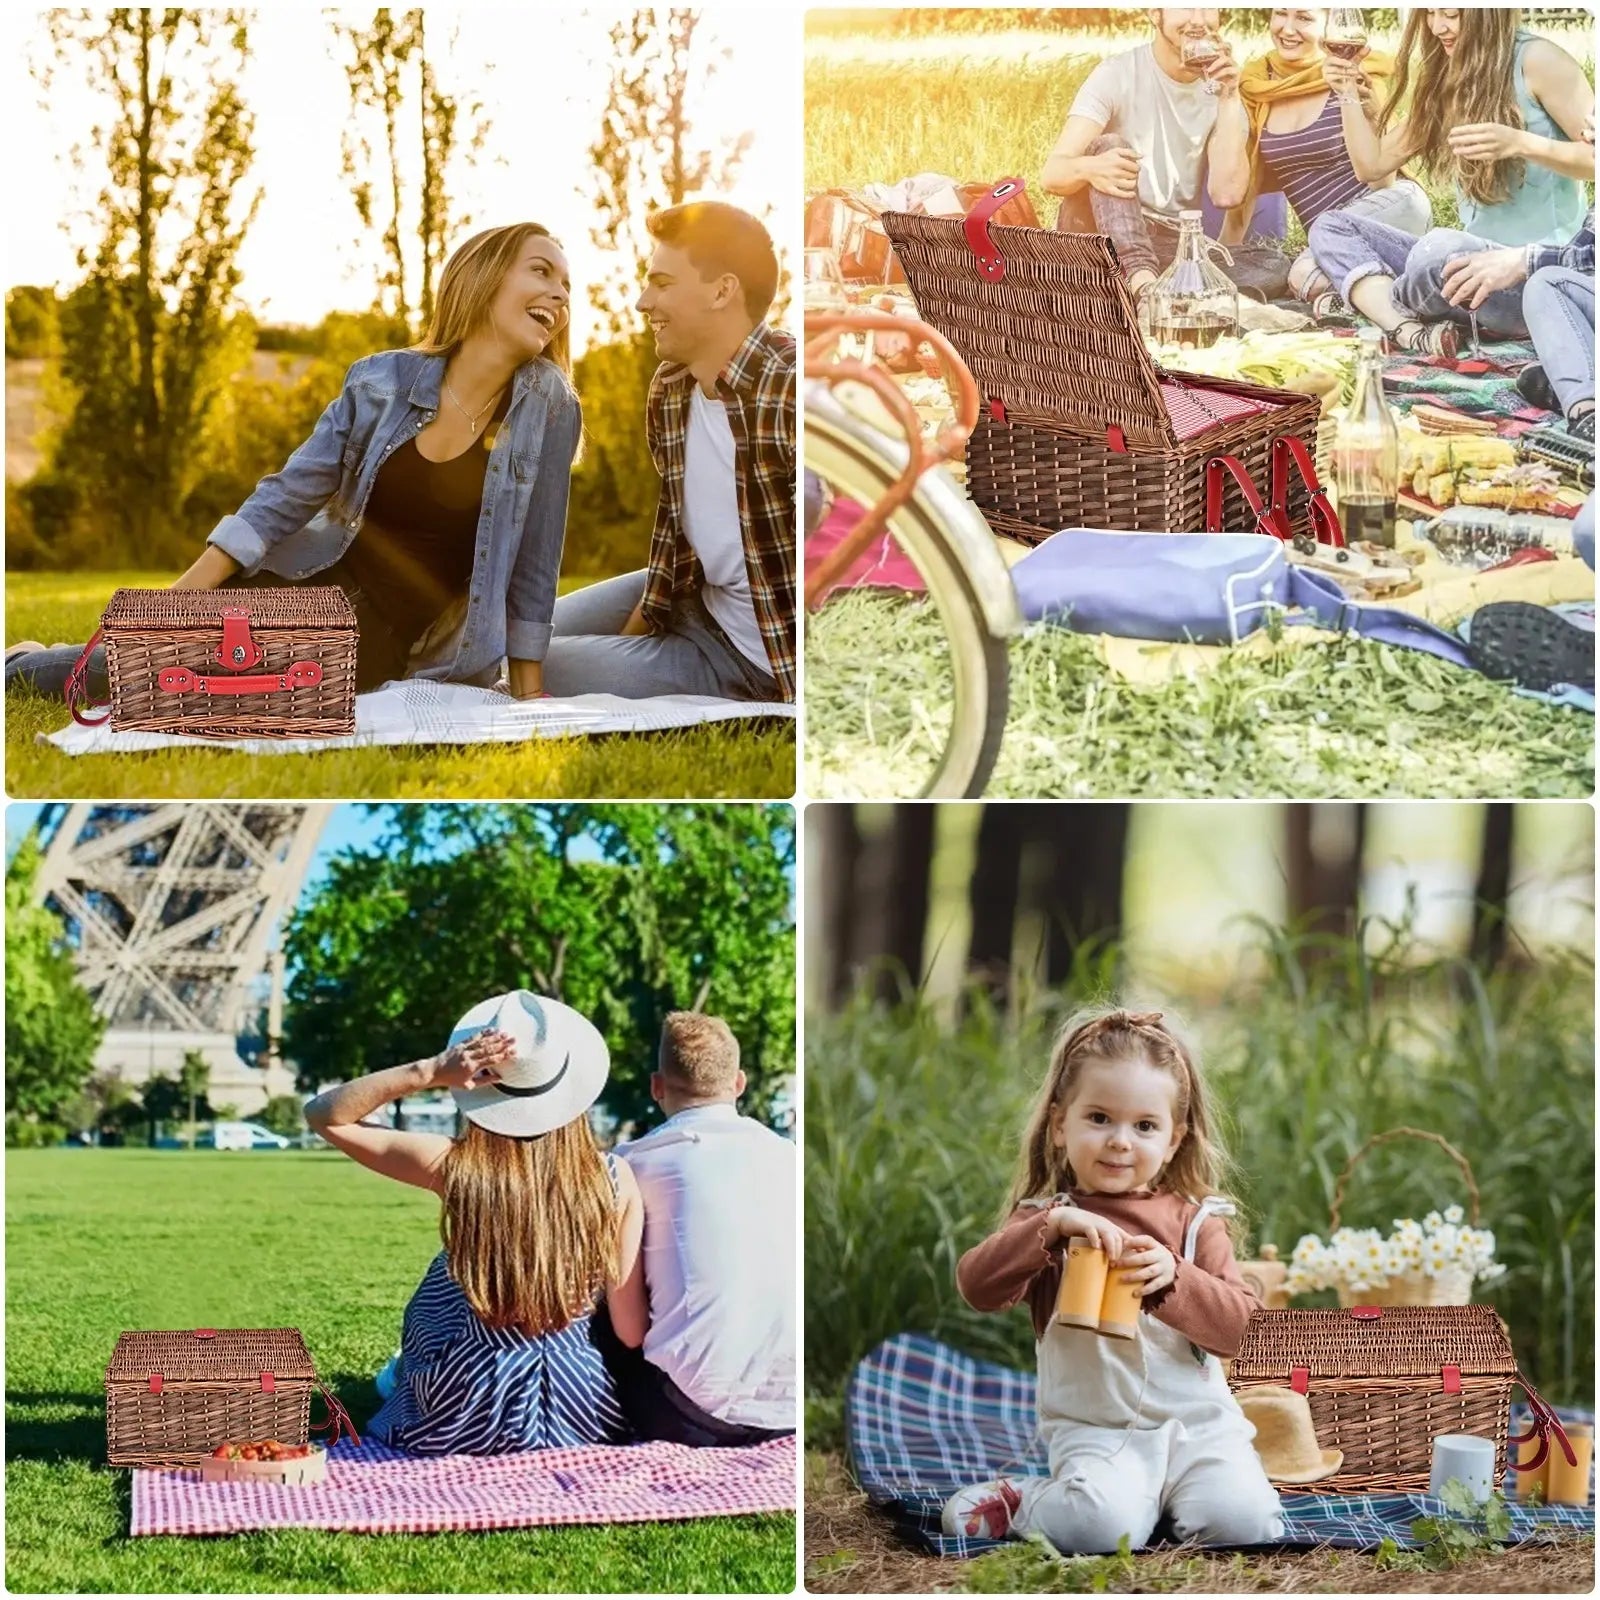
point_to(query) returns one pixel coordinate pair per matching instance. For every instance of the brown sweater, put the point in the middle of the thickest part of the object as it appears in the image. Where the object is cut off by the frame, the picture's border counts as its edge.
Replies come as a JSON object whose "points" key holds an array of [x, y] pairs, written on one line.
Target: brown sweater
{"points": [[1207, 1301]]}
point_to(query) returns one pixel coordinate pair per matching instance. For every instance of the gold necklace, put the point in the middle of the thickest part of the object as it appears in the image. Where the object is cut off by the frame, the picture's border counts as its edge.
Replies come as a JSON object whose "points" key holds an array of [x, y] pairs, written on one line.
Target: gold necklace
{"points": [[472, 418]]}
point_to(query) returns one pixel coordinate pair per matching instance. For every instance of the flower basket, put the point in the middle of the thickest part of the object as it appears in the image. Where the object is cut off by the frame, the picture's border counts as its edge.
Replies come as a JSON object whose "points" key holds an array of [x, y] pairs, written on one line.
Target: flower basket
{"points": [[1432, 1264]]}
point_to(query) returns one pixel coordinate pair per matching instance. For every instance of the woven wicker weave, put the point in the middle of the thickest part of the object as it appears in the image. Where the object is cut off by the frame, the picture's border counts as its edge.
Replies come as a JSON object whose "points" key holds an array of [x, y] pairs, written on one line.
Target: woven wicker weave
{"points": [[1055, 349], [1378, 1388], [149, 630], [173, 1397]]}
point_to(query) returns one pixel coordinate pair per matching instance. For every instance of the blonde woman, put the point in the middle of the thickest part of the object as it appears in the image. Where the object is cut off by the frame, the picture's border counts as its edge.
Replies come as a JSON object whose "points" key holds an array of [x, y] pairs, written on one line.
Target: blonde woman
{"points": [[498, 1351], [433, 490], [1499, 112]]}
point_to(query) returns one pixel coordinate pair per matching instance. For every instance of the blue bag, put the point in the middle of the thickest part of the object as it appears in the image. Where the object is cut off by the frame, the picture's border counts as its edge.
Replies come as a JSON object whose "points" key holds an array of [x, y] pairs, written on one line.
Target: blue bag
{"points": [[1200, 588]]}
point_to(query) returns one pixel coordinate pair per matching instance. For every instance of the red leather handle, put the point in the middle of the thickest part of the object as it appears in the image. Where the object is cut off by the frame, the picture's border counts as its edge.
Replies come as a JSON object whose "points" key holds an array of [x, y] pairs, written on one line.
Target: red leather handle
{"points": [[990, 262], [1545, 1423], [76, 692], [1289, 451], [1230, 466], [183, 680], [338, 1421]]}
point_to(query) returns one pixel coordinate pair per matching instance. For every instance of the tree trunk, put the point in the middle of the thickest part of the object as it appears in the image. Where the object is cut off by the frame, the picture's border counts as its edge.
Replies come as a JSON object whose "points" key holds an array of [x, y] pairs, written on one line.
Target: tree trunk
{"points": [[1087, 847], [905, 908], [1325, 844], [992, 897], [838, 843], [1492, 897], [148, 442]]}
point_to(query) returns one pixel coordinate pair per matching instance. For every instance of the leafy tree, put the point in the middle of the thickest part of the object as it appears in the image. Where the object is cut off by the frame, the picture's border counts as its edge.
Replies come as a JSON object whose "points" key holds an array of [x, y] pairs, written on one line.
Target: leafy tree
{"points": [[194, 1080], [147, 339], [30, 322], [100, 1106], [391, 68], [284, 1114], [52, 1031], [163, 1100], [624, 912]]}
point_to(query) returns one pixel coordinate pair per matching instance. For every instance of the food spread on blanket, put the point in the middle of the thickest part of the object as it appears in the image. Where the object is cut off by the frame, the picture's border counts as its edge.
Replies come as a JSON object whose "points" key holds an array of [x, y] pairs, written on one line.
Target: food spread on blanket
{"points": [[1446, 469]]}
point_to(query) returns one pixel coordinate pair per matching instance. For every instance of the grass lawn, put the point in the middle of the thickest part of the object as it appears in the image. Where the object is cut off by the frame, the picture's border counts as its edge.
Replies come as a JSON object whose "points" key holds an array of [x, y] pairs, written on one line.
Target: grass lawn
{"points": [[98, 1241], [716, 761]]}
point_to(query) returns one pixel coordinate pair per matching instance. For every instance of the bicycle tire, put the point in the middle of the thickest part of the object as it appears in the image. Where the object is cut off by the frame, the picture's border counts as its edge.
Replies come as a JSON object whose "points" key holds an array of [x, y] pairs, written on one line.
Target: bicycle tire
{"points": [[849, 463]]}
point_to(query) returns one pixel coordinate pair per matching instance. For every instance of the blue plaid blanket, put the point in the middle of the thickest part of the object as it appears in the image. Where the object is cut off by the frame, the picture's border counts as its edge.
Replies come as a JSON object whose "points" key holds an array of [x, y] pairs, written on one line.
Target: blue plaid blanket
{"points": [[923, 1419]]}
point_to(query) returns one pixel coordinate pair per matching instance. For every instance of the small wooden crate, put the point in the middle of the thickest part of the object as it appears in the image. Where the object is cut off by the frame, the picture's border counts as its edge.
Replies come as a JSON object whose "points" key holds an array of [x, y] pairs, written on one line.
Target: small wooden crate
{"points": [[173, 1397], [242, 663], [1383, 1382], [296, 1474], [1078, 427]]}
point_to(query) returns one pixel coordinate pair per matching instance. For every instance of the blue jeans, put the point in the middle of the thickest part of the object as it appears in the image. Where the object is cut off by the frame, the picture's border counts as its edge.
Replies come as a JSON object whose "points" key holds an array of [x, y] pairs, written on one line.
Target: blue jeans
{"points": [[590, 654], [1583, 532], [1350, 248], [1558, 307]]}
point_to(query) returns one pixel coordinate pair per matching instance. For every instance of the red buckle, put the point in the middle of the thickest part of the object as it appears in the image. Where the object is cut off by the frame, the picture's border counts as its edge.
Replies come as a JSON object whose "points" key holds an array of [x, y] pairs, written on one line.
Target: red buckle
{"points": [[1366, 1313], [997, 410], [1452, 1379], [205, 1333], [238, 651], [1300, 1379], [991, 264], [1116, 440], [155, 1383], [269, 1384]]}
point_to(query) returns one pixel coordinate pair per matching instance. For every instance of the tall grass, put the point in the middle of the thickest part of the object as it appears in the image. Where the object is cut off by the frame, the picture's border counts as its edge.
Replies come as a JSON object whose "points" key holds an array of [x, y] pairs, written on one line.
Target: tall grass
{"points": [[912, 1125]]}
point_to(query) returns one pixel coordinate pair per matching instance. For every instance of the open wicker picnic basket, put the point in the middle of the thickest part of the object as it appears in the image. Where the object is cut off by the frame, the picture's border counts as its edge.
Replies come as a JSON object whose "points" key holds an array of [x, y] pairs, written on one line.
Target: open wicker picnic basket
{"points": [[241, 663], [1078, 427], [173, 1396]]}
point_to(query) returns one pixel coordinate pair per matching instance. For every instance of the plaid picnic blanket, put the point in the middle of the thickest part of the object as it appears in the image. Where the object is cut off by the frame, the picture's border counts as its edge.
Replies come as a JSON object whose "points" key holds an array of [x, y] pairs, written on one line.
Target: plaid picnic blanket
{"points": [[1485, 388], [923, 1419], [373, 1489]]}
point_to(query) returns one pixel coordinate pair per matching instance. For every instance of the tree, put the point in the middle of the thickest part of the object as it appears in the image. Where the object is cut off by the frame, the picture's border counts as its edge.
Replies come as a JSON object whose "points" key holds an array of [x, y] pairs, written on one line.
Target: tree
{"points": [[391, 68], [624, 912], [194, 1080], [30, 322], [163, 1099], [1491, 901], [285, 1114], [146, 339], [101, 1106], [1326, 847], [52, 1031]]}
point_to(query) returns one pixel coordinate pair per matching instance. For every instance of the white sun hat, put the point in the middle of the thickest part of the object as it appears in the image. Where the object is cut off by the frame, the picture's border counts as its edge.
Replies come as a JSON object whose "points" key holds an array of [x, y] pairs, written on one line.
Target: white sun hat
{"points": [[560, 1067]]}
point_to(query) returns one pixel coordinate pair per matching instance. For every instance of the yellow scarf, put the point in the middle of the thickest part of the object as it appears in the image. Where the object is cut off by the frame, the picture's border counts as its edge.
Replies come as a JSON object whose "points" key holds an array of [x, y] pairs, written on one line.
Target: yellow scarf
{"points": [[1270, 79]]}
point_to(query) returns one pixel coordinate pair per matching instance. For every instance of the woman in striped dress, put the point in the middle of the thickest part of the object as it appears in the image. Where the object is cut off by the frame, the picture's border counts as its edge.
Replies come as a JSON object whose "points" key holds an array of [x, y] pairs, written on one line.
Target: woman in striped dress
{"points": [[1298, 147], [497, 1352]]}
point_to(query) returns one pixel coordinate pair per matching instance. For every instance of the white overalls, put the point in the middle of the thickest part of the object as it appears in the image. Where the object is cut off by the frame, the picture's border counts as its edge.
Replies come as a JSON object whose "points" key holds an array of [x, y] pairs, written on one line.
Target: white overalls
{"points": [[1189, 1454]]}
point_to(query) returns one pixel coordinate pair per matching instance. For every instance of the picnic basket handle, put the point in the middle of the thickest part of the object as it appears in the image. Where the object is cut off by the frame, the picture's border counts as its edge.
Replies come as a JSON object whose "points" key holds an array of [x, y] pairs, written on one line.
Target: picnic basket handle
{"points": [[1545, 1424], [1231, 466], [991, 264], [1406, 1133], [1289, 451], [76, 691], [338, 1419]]}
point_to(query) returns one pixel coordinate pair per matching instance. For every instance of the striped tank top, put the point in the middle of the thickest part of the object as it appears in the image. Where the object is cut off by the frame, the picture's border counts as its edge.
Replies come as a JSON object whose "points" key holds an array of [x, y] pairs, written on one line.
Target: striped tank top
{"points": [[467, 1389], [1311, 166]]}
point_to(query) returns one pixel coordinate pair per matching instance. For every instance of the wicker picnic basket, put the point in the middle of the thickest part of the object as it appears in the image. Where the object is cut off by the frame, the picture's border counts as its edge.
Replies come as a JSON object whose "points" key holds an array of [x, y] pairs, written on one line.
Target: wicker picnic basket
{"points": [[244, 663], [1384, 1381], [1078, 427], [173, 1397]]}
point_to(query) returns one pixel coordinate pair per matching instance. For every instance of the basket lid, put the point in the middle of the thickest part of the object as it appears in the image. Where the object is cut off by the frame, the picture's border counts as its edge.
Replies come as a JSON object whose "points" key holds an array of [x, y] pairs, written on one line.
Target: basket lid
{"points": [[1055, 336], [291, 606], [1396, 1342], [210, 1354]]}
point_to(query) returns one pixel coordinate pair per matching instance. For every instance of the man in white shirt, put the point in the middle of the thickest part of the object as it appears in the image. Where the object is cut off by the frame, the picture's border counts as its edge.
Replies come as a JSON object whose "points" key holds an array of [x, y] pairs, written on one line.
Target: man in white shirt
{"points": [[718, 1362], [1143, 128]]}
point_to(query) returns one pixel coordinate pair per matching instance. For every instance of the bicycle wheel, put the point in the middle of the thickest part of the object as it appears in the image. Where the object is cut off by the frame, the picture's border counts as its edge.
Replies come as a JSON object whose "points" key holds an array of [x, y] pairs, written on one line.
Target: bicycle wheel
{"points": [[906, 689]]}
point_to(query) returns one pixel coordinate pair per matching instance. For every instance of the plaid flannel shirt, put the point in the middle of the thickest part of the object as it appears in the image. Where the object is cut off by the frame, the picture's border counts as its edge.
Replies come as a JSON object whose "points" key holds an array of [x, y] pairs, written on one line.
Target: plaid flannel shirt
{"points": [[757, 387], [1577, 253]]}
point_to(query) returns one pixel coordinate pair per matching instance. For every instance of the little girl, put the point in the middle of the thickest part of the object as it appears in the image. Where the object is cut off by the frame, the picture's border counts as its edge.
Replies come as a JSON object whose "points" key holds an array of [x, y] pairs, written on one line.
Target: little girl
{"points": [[1116, 1150]]}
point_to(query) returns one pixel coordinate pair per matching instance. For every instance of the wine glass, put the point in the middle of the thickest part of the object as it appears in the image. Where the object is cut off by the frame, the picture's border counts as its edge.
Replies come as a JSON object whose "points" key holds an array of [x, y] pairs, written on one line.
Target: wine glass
{"points": [[1197, 53], [1475, 349], [825, 291], [1345, 39]]}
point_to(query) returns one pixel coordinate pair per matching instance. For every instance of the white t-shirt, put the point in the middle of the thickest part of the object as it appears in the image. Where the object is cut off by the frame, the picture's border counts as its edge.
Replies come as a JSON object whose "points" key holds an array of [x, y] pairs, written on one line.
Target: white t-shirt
{"points": [[719, 1260], [711, 525], [1167, 123]]}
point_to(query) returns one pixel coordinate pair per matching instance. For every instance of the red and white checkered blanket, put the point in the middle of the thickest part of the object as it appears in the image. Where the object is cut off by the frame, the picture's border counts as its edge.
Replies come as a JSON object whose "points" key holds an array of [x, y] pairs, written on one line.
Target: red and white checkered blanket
{"points": [[373, 1489]]}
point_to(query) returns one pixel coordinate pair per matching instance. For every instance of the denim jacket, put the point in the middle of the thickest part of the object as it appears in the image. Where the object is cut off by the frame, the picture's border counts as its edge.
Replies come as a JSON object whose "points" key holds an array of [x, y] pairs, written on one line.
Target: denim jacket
{"points": [[299, 521]]}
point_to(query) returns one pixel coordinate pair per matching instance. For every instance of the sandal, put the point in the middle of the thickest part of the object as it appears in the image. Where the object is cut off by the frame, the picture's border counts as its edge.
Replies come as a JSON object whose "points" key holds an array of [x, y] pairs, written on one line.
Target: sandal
{"points": [[1532, 646], [1427, 339]]}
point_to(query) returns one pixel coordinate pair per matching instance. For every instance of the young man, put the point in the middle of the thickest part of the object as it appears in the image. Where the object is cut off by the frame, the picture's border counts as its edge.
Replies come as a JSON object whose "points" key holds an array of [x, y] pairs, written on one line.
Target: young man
{"points": [[714, 613], [718, 1362], [1142, 131]]}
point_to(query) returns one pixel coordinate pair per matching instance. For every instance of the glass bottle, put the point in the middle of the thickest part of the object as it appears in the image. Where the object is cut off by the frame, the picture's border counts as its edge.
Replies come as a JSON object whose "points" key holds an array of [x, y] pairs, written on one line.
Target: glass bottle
{"points": [[1192, 303], [1365, 452]]}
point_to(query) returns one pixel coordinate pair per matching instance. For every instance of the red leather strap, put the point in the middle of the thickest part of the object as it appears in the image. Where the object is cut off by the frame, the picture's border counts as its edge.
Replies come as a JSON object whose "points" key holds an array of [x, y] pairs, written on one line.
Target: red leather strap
{"points": [[269, 1384], [1218, 467], [1289, 451], [182, 680], [155, 1383], [1451, 1374], [1366, 1313], [338, 1421], [239, 651], [205, 1333], [1300, 1379], [1116, 440], [997, 410], [991, 264], [1545, 1423], [76, 691]]}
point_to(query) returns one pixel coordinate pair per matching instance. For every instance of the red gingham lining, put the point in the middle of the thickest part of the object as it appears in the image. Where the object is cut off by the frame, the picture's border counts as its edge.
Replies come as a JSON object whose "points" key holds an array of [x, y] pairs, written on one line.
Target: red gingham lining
{"points": [[1196, 411], [374, 1489]]}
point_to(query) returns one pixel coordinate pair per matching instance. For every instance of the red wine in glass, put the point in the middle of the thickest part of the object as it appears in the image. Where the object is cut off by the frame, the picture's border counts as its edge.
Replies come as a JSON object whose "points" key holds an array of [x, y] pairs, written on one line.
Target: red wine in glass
{"points": [[1345, 39], [1345, 49]]}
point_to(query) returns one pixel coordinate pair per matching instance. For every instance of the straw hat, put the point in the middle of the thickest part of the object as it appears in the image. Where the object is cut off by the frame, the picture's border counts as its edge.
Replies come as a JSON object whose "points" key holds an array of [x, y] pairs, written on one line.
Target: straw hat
{"points": [[1285, 1439], [559, 1070]]}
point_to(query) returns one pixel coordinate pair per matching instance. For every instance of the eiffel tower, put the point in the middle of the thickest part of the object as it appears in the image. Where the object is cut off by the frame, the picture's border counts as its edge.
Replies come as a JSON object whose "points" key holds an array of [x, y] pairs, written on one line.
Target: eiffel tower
{"points": [[171, 910]]}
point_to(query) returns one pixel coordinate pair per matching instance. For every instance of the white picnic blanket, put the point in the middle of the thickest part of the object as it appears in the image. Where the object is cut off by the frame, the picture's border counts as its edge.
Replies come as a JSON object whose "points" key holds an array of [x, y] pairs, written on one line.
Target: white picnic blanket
{"points": [[420, 712]]}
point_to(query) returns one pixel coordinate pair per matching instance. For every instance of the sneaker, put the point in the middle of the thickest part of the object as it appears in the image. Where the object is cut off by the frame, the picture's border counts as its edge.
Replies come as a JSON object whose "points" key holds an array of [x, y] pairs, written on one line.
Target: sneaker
{"points": [[1531, 646], [983, 1511], [1533, 384], [1329, 307], [1438, 339], [1581, 425]]}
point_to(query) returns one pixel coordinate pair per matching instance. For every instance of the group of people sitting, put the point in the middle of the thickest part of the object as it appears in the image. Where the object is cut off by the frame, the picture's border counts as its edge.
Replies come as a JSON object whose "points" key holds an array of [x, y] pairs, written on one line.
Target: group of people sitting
{"points": [[584, 1296], [1470, 98]]}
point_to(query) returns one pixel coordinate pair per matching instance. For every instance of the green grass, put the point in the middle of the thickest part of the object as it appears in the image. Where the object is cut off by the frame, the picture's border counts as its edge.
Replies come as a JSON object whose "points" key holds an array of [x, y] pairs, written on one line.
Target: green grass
{"points": [[718, 760], [98, 1241], [912, 1127]]}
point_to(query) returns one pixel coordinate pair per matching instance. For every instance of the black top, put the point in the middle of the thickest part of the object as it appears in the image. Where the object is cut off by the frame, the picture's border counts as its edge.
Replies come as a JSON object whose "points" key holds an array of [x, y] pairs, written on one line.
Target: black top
{"points": [[413, 555]]}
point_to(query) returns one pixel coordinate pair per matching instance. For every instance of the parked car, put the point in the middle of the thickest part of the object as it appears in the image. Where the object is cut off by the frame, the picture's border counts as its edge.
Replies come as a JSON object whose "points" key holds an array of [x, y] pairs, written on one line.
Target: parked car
{"points": [[242, 1136]]}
